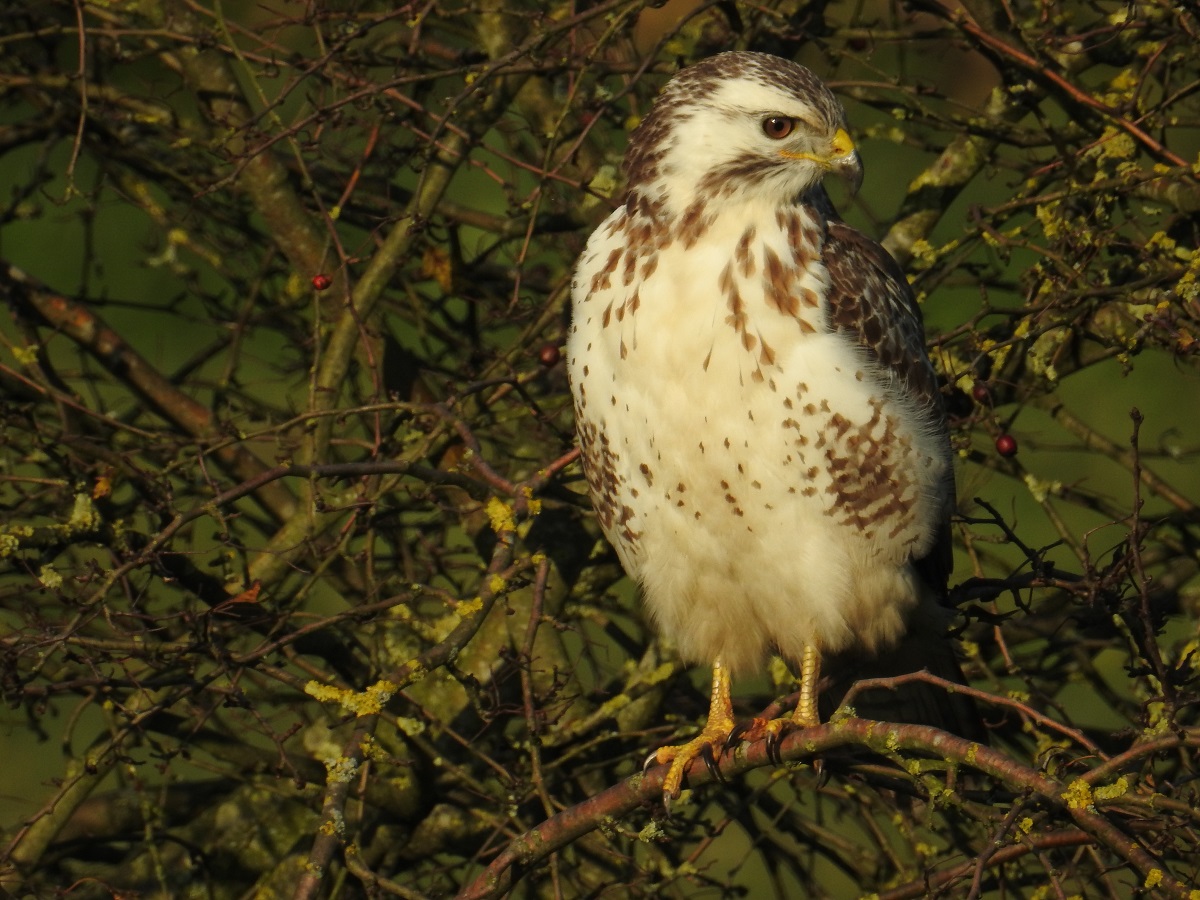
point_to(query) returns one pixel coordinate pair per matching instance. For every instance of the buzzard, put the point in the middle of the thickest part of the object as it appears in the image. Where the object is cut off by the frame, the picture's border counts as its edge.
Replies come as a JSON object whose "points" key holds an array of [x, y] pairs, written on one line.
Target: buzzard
{"points": [[761, 429]]}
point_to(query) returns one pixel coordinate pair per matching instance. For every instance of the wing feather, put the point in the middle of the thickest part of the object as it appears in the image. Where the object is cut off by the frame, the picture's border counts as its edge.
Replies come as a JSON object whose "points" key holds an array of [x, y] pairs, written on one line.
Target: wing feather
{"points": [[870, 300]]}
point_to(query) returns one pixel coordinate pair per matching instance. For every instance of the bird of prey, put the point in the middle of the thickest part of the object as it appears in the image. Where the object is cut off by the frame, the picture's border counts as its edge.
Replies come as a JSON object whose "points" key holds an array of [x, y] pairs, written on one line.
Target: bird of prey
{"points": [[761, 429]]}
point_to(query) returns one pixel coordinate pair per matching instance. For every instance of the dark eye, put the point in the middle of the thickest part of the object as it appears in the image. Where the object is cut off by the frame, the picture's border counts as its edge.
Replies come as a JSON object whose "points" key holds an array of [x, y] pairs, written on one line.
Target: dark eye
{"points": [[778, 127]]}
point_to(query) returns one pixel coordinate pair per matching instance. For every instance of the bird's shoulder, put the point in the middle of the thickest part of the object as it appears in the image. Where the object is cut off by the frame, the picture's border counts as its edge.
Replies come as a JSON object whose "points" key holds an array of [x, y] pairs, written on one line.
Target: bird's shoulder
{"points": [[870, 300]]}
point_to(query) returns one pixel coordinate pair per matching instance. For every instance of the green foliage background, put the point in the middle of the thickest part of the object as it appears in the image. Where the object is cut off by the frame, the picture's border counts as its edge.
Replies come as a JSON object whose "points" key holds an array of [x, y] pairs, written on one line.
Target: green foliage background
{"points": [[299, 592]]}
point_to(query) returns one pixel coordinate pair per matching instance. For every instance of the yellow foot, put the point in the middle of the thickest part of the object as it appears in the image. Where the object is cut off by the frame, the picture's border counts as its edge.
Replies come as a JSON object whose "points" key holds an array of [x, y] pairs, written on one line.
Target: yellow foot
{"points": [[773, 731], [708, 745]]}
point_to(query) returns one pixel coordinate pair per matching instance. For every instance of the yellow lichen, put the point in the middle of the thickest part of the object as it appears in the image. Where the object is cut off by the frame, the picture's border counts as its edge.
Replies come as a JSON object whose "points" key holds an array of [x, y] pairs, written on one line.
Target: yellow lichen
{"points": [[500, 514], [658, 674], [604, 183], [1041, 489], [778, 671], [1123, 87], [926, 850], [371, 750], [50, 578], [326, 693], [613, 705], [1188, 286], [1044, 350], [1158, 722], [367, 703], [1160, 240], [340, 770], [532, 504], [923, 254], [1078, 795], [410, 726], [469, 607], [1113, 144], [83, 516], [1053, 225], [842, 713], [26, 355], [1112, 791], [8, 544], [651, 833]]}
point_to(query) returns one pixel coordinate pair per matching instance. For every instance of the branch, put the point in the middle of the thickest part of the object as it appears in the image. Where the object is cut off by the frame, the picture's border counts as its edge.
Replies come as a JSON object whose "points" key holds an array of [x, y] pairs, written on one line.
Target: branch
{"points": [[882, 737], [1004, 50], [78, 322]]}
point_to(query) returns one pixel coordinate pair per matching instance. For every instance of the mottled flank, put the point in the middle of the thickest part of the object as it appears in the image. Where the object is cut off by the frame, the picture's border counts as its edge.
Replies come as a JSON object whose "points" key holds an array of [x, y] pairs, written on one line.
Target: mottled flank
{"points": [[762, 431]]}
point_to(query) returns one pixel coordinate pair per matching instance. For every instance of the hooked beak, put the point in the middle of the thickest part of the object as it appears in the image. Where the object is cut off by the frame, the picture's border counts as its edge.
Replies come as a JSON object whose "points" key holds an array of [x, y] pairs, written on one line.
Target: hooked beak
{"points": [[842, 160], [847, 163]]}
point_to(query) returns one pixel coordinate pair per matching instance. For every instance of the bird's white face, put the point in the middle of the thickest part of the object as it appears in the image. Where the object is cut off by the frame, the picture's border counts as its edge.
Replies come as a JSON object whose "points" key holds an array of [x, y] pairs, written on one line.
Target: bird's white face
{"points": [[747, 135]]}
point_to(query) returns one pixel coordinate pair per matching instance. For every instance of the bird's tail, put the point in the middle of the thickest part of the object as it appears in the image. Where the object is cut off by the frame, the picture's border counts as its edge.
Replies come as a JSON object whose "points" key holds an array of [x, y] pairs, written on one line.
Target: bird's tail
{"points": [[925, 647]]}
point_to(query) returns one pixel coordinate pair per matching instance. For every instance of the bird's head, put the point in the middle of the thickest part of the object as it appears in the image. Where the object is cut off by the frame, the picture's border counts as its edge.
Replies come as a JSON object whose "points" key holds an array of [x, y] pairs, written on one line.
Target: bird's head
{"points": [[736, 127]]}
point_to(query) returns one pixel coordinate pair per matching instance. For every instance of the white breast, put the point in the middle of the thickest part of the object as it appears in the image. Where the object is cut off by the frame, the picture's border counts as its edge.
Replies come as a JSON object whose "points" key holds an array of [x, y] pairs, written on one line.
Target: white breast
{"points": [[764, 482]]}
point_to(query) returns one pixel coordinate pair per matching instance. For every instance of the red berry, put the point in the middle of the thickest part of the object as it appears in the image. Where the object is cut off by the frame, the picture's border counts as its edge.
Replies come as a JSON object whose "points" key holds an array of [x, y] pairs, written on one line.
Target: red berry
{"points": [[980, 393], [1006, 445], [321, 282], [549, 355]]}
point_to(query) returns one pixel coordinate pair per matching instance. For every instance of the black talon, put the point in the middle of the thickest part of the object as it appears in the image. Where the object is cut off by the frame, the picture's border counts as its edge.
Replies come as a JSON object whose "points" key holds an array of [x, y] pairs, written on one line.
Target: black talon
{"points": [[774, 744], [735, 736], [706, 754], [821, 771], [650, 763], [773, 750]]}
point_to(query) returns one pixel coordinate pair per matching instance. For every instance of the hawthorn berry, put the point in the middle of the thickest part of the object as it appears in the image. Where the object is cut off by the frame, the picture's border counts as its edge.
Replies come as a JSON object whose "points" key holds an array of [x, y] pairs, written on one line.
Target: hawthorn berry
{"points": [[1006, 445], [549, 355], [321, 282]]}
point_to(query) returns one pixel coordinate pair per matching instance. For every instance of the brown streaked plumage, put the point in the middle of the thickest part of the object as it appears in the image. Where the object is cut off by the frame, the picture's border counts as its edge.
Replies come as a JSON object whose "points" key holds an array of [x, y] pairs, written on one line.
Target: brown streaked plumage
{"points": [[761, 428]]}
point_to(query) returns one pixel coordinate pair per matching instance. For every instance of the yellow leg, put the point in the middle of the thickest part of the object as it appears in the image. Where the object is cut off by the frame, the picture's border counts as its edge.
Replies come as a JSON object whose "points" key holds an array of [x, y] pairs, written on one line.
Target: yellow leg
{"points": [[712, 738], [806, 714]]}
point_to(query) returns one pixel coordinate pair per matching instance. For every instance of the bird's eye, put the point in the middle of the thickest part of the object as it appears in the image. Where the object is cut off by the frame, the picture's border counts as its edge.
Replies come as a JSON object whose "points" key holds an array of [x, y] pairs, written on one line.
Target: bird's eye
{"points": [[778, 127]]}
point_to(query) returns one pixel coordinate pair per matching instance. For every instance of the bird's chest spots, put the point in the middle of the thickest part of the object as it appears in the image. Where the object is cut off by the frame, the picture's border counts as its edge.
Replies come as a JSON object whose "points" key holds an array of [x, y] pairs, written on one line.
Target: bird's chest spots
{"points": [[817, 440], [862, 464], [721, 396], [752, 272], [773, 286], [635, 243], [611, 459]]}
